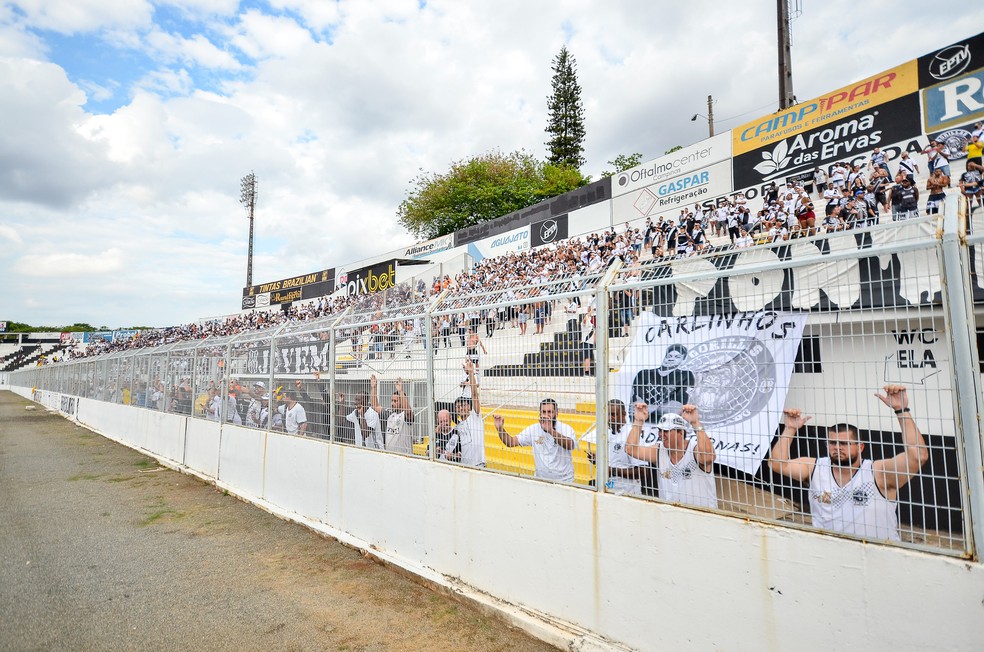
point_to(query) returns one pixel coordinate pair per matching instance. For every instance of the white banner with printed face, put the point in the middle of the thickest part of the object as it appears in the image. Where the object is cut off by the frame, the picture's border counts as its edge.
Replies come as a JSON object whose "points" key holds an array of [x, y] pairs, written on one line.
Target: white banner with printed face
{"points": [[734, 368]]}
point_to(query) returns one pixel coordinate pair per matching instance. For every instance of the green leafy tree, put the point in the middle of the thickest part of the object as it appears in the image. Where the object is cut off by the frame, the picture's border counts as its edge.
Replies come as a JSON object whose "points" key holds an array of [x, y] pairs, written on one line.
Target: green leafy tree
{"points": [[19, 327], [623, 162], [479, 189], [79, 327], [565, 119], [674, 148]]}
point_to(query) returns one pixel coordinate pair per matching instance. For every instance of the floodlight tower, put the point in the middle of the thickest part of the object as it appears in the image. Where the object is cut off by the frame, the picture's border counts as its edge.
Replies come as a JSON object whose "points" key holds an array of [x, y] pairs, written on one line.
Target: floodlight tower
{"points": [[247, 198]]}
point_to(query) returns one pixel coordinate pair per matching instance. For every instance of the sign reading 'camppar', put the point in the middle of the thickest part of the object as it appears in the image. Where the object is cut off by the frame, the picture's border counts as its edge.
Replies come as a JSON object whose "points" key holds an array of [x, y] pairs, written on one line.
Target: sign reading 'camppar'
{"points": [[845, 102], [840, 140]]}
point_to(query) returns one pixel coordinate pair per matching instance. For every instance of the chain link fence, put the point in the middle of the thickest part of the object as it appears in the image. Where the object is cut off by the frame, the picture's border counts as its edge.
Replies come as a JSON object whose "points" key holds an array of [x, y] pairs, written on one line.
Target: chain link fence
{"points": [[820, 382]]}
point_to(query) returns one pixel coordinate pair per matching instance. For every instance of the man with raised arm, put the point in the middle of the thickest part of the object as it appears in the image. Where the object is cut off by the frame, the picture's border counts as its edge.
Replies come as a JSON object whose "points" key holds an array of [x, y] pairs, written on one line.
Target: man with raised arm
{"points": [[467, 442], [623, 471], [365, 422], [847, 493], [398, 437], [295, 417], [684, 461], [552, 443]]}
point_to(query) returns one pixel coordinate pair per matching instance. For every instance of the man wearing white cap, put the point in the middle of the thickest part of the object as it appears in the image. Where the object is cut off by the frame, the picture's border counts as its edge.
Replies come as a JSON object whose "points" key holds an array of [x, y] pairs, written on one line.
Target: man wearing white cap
{"points": [[683, 458]]}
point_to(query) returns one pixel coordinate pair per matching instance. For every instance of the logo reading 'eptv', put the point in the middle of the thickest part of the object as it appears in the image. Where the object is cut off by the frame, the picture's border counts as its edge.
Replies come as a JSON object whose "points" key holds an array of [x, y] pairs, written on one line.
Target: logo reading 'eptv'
{"points": [[950, 62], [548, 230]]}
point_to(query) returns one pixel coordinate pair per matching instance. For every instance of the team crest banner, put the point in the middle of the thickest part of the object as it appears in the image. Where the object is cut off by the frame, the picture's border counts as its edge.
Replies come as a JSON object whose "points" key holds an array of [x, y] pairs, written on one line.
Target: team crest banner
{"points": [[735, 368]]}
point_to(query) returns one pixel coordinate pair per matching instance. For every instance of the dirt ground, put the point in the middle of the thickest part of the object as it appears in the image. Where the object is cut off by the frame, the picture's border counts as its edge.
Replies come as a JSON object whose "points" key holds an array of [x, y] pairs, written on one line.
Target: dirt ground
{"points": [[104, 549]]}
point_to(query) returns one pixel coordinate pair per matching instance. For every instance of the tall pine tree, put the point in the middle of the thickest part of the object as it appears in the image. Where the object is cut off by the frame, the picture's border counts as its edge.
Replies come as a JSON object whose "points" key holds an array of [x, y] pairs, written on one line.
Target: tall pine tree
{"points": [[565, 122]]}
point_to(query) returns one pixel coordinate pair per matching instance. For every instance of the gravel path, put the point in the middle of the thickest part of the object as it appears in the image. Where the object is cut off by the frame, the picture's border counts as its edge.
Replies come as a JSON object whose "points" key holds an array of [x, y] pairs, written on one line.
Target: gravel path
{"points": [[102, 549]]}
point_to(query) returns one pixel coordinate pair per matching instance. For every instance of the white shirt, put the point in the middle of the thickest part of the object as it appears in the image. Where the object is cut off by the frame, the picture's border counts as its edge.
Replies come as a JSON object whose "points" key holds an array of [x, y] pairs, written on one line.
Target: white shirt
{"points": [[468, 437], [253, 419], [398, 435], [552, 461], [685, 482], [214, 408], [293, 418], [232, 414], [619, 459], [371, 439], [856, 508]]}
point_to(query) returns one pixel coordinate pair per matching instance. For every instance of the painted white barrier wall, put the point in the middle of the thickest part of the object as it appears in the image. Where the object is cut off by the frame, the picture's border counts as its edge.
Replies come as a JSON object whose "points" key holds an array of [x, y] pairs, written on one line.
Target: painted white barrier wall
{"points": [[648, 575]]}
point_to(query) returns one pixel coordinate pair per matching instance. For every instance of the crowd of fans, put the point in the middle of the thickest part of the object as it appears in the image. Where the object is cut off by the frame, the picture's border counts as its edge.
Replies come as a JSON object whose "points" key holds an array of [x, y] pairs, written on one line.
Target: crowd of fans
{"points": [[839, 197]]}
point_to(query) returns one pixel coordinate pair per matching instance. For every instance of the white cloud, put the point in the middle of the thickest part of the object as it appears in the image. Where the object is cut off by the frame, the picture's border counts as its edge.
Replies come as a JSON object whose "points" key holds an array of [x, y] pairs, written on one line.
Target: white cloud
{"points": [[15, 39], [167, 82], [200, 8], [75, 16], [343, 104], [98, 92], [63, 265], [10, 234], [44, 158], [260, 36], [196, 50], [316, 14]]}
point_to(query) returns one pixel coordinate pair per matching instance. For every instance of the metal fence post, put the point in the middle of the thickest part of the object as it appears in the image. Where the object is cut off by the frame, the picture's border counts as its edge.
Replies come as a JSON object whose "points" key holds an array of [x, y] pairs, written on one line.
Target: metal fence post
{"points": [[332, 391], [959, 316], [429, 352], [601, 376]]}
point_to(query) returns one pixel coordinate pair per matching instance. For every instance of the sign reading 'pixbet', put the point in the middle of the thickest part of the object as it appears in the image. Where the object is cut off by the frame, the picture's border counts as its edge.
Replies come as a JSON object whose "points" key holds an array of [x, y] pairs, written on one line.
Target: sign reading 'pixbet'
{"points": [[368, 280]]}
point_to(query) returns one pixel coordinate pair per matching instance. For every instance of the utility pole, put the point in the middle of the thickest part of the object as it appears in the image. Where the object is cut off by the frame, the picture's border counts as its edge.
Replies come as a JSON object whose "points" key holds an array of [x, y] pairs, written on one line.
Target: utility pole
{"points": [[247, 198], [710, 116], [786, 97]]}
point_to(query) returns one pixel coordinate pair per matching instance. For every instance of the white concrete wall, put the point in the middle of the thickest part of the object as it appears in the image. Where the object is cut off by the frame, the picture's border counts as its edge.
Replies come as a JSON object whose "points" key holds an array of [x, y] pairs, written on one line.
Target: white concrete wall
{"points": [[648, 575]]}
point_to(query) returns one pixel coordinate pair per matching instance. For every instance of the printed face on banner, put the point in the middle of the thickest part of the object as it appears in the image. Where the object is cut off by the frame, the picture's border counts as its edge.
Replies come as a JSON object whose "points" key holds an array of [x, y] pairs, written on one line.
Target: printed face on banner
{"points": [[734, 368]]}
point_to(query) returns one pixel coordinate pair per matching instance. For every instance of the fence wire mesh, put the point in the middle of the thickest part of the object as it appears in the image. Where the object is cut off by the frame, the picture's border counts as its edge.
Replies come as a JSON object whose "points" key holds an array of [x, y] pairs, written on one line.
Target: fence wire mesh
{"points": [[807, 382]]}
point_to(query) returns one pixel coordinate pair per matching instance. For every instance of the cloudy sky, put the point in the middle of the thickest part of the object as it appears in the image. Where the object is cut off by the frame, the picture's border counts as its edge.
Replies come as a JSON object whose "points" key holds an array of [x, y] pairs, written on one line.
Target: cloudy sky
{"points": [[125, 125]]}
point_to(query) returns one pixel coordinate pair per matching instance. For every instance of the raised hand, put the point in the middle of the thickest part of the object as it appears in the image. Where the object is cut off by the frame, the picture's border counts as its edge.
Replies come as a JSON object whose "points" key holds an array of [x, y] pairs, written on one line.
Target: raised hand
{"points": [[795, 419], [894, 397], [689, 413]]}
